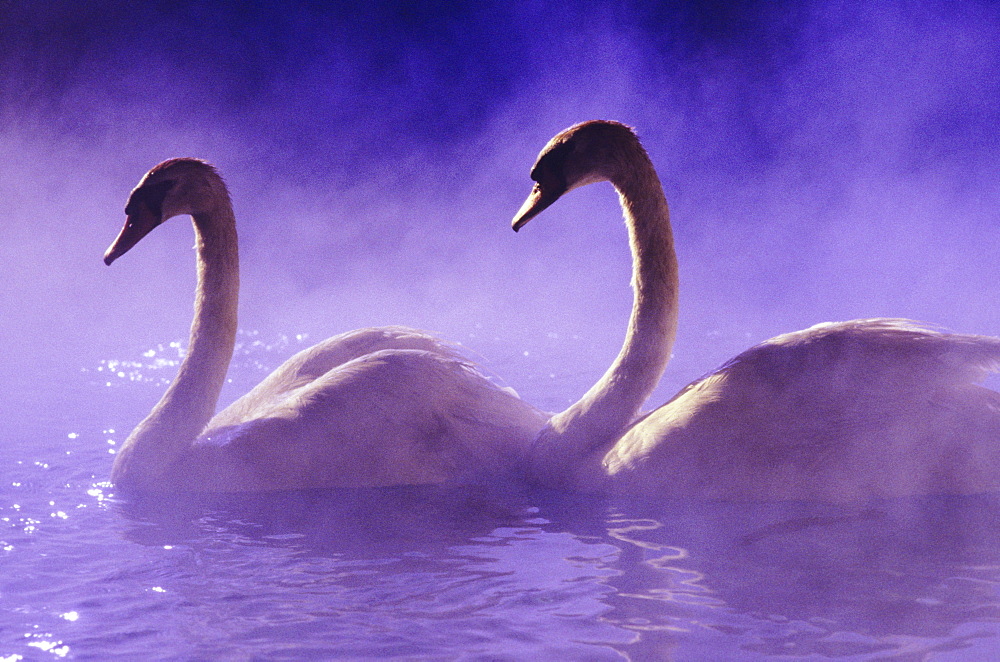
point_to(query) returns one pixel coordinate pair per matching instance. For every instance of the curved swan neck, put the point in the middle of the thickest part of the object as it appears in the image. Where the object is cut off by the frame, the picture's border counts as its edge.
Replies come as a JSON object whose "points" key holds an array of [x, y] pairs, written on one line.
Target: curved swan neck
{"points": [[189, 403], [598, 419], [199, 380]]}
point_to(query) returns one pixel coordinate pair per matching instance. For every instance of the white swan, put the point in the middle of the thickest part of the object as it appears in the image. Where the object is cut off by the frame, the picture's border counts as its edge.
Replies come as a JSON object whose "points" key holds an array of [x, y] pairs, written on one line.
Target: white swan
{"points": [[373, 407], [837, 412]]}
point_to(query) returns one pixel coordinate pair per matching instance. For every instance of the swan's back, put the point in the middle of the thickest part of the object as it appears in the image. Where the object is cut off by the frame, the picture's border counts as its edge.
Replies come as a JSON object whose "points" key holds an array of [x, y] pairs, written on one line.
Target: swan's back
{"points": [[835, 412], [836, 354], [316, 361], [388, 417]]}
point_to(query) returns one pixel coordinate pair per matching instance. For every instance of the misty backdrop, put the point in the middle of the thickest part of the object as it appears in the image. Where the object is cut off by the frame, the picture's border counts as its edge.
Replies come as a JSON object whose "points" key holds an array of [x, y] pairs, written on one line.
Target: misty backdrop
{"points": [[823, 161]]}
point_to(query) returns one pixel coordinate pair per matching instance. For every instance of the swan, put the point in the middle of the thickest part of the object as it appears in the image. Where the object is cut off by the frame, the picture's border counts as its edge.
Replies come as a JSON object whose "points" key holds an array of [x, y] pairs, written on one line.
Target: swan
{"points": [[839, 412], [372, 407]]}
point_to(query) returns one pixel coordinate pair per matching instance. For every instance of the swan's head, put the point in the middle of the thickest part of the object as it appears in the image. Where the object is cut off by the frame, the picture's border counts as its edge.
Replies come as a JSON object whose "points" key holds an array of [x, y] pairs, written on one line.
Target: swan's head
{"points": [[172, 188], [586, 153]]}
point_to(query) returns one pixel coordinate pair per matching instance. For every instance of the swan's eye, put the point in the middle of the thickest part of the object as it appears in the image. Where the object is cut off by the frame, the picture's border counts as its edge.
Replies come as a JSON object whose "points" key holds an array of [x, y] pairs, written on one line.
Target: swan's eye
{"points": [[150, 195], [542, 173]]}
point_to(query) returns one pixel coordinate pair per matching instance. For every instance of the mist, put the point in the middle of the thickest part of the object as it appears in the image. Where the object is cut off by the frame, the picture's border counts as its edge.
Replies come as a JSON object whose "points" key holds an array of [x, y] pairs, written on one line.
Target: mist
{"points": [[823, 161]]}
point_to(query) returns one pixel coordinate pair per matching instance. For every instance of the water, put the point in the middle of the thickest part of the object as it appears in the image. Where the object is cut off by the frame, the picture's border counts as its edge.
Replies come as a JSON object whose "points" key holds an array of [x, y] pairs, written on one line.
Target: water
{"points": [[435, 574]]}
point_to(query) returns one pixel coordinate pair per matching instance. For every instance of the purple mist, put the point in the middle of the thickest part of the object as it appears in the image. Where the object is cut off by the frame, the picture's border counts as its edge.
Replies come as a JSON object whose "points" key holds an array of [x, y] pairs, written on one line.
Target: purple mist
{"points": [[822, 162]]}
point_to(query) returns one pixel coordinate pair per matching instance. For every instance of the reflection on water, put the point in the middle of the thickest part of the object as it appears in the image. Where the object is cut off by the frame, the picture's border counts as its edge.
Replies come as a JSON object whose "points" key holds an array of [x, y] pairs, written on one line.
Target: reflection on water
{"points": [[484, 573]]}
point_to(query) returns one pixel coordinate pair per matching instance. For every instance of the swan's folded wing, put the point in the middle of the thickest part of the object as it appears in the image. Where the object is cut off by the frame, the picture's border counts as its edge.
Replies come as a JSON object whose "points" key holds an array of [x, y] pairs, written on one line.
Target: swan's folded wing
{"points": [[820, 412], [392, 417], [313, 363], [879, 350]]}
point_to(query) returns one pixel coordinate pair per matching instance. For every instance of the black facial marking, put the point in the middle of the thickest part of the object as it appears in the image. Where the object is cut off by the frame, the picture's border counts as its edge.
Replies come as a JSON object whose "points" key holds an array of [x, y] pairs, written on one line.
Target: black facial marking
{"points": [[550, 170], [151, 195]]}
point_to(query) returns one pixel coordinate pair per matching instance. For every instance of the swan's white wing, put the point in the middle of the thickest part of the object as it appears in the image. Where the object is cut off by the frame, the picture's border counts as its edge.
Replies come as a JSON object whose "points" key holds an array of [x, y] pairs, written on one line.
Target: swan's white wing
{"points": [[313, 363], [905, 351], [390, 417], [886, 404]]}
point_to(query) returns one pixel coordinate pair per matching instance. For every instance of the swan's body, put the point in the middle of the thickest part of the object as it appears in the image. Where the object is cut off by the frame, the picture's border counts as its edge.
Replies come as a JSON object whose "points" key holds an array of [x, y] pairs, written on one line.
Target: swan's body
{"points": [[373, 407], [837, 412]]}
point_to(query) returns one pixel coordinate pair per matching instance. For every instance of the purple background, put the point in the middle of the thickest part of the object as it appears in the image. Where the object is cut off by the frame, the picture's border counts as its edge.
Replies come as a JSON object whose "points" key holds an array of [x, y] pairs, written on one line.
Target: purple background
{"points": [[823, 161]]}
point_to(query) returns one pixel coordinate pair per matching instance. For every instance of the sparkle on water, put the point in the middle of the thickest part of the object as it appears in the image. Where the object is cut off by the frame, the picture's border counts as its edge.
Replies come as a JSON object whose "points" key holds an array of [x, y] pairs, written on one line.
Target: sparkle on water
{"points": [[495, 573]]}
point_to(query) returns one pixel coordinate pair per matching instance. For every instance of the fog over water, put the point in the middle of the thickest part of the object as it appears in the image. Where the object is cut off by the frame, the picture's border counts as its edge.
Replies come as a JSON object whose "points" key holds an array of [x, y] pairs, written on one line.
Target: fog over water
{"points": [[823, 161]]}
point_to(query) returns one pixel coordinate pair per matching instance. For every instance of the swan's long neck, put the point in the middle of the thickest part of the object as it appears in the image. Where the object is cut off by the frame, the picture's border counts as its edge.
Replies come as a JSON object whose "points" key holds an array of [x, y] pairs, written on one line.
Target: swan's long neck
{"points": [[586, 430], [189, 403]]}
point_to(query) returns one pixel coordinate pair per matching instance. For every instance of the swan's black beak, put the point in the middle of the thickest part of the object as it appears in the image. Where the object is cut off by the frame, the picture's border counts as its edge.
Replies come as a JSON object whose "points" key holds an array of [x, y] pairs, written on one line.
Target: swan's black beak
{"points": [[540, 198], [137, 225]]}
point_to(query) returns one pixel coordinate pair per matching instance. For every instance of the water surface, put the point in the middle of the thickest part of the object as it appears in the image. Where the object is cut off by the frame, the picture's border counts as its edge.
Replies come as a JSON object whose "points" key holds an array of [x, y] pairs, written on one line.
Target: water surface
{"points": [[479, 573]]}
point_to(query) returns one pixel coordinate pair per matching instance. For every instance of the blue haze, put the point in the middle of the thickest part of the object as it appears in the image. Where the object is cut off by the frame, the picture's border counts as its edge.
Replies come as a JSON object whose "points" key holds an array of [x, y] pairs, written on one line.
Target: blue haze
{"points": [[823, 161]]}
